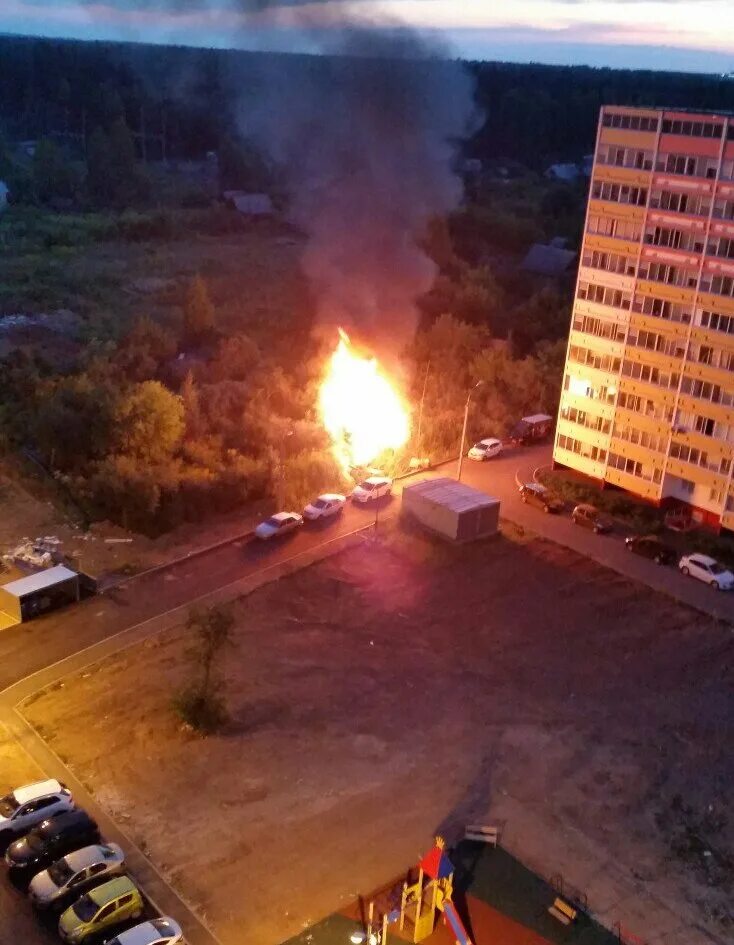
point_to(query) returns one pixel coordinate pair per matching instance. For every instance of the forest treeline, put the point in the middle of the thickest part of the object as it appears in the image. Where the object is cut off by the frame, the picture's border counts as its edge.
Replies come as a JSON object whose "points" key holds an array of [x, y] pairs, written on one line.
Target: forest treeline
{"points": [[180, 101]]}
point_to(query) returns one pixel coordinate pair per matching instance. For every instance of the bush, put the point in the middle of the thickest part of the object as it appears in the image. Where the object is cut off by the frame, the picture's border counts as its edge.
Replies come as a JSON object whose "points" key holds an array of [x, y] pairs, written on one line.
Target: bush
{"points": [[204, 712]]}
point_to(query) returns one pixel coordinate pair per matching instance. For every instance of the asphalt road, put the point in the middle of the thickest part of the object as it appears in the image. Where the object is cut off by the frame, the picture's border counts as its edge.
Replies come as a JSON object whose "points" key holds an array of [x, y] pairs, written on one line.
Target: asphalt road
{"points": [[35, 648]]}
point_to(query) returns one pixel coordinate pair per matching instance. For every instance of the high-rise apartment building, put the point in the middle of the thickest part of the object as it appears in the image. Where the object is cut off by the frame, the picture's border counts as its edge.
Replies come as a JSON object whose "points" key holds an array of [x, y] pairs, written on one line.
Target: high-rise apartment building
{"points": [[648, 389]]}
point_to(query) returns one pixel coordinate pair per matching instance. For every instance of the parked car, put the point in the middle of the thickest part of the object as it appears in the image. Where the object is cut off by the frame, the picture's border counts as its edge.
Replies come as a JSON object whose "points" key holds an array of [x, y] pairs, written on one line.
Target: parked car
{"points": [[326, 506], [74, 873], [101, 908], [27, 806], [589, 516], [485, 449], [279, 524], [650, 546], [707, 570], [371, 489], [51, 839], [532, 493], [163, 931]]}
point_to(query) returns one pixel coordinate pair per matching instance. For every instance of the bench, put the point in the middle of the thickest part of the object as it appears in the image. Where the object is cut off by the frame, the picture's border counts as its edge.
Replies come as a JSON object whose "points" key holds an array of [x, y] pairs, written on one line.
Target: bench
{"points": [[562, 911], [482, 834]]}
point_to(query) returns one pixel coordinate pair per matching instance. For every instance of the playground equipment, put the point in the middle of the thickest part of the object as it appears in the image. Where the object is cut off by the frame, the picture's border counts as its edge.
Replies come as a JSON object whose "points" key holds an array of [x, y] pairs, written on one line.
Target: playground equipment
{"points": [[420, 904]]}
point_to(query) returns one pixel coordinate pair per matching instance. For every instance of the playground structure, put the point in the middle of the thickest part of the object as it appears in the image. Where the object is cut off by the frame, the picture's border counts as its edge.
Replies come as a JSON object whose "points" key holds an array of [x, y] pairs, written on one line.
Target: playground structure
{"points": [[420, 904]]}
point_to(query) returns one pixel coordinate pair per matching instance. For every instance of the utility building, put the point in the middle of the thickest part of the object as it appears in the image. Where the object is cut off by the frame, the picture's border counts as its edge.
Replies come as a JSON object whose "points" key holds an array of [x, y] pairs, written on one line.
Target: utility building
{"points": [[648, 391], [33, 595]]}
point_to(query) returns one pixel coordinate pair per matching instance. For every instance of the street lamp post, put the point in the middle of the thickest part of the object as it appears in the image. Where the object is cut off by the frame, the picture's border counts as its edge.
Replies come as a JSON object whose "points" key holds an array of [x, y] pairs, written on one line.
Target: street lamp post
{"points": [[463, 430]]}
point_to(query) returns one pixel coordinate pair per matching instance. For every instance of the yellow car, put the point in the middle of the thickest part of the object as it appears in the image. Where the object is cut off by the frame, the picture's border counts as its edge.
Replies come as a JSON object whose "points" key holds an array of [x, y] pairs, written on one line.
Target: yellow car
{"points": [[101, 908]]}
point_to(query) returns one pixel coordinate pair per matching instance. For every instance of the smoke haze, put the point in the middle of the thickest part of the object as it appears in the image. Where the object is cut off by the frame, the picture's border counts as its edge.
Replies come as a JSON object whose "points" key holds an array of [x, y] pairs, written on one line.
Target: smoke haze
{"points": [[366, 143]]}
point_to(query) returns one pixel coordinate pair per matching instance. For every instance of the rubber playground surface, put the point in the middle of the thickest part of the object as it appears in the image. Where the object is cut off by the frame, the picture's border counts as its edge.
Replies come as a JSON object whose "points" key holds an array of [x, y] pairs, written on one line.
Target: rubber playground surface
{"points": [[499, 901]]}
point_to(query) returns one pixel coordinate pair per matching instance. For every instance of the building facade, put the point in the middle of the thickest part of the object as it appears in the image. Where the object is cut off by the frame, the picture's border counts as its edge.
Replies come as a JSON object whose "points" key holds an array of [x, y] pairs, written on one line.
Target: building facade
{"points": [[648, 390]]}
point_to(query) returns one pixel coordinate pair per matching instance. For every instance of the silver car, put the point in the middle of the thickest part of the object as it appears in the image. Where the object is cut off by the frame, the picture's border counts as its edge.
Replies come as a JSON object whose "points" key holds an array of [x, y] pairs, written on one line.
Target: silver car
{"points": [[74, 873], [163, 931]]}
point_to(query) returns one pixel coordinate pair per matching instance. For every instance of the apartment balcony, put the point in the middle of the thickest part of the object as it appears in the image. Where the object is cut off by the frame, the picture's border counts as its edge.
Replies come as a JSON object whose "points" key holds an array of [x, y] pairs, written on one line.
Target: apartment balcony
{"points": [[592, 405], [627, 138], [618, 174], [582, 464], [719, 412], [622, 211], [634, 484], [699, 475], [596, 344], [719, 303], [727, 520], [583, 433], [661, 326], [610, 244], [665, 396], [689, 222], [707, 372], [721, 227], [671, 363], [689, 184], [663, 290], [689, 259], [615, 280], [712, 337], [642, 421], [599, 310]]}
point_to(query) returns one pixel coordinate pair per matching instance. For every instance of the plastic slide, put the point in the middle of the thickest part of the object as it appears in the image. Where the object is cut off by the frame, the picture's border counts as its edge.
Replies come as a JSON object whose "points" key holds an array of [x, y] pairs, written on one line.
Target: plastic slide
{"points": [[457, 926]]}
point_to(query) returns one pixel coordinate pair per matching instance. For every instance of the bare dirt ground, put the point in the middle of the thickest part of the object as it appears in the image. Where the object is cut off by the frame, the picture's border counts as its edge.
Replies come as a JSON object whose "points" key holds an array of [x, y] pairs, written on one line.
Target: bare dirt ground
{"points": [[408, 687]]}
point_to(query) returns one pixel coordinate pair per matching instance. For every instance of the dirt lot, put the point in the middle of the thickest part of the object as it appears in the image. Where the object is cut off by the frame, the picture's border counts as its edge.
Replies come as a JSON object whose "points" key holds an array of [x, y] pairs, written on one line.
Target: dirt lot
{"points": [[408, 687]]}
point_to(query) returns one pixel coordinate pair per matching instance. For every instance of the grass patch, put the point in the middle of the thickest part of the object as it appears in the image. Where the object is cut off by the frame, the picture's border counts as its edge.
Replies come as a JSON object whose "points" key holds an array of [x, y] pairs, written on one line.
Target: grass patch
{"points": [[636, 514]]}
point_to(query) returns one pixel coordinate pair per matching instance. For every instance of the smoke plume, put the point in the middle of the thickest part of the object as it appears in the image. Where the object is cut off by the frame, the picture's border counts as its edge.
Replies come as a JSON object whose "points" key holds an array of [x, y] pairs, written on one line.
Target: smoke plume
{"points": [[366, 141]]}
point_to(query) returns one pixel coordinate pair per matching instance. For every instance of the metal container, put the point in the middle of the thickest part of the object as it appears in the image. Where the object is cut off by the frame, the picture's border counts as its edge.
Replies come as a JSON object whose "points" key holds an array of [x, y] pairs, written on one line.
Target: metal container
{"points": [[451, 509]]}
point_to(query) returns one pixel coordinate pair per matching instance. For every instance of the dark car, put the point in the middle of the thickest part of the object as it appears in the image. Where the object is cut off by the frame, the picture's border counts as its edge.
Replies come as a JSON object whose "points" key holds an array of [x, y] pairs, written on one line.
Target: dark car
{"points": [[589, 516], [532, 493], [51, 839], [650, 546]]}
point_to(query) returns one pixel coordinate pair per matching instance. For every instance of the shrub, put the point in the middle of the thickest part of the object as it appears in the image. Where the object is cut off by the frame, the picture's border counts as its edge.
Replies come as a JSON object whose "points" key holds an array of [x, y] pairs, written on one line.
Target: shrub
{"points": [[204, 711]]}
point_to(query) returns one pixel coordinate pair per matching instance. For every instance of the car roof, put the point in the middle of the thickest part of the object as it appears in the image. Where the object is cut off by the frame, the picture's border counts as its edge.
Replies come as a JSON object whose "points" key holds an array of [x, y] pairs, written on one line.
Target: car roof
{"points": [[67, 819], [147, 932], [490, 441], [587, 507], [38, 789], [279, 516], [110, 890], [329, 496], [377, 479], [87, 856], [535, 486], [704, 559]]}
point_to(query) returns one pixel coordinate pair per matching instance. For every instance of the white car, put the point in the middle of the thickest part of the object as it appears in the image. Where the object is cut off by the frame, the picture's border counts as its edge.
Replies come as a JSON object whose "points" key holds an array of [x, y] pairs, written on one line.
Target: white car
{"points": [[328, 504], [27, 806], [371, 489], [485, 449], [707, 570], [74, 873], [279, 524], [163, 931]]}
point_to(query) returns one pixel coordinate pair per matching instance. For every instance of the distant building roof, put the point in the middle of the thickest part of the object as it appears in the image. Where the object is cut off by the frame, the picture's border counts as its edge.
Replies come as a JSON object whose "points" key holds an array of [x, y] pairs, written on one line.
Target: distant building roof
{"points": [[548, 260], [564, 172], [40, 581], [256, 205]]}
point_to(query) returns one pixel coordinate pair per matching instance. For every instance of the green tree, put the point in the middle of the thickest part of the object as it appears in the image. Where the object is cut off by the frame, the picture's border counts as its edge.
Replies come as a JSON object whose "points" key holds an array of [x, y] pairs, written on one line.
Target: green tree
{"points": [[72, 422], [99, 156], [148, 423], [51, 173], [198, 311], [201, 704]]}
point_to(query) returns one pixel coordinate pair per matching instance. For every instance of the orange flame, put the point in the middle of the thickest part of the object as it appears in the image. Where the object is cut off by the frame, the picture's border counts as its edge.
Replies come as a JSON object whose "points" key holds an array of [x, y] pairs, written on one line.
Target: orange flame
{"points": [[361, 410]]}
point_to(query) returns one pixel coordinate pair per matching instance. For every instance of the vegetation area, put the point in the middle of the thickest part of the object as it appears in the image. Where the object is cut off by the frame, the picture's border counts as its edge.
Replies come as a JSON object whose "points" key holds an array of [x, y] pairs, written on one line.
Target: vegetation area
{"points": [[159, 406]]}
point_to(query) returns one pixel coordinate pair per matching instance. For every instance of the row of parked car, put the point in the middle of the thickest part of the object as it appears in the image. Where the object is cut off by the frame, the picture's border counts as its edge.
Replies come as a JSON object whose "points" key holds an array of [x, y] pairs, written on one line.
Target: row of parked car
{"points": [[324, 507], [699, 566], [54, 851]]}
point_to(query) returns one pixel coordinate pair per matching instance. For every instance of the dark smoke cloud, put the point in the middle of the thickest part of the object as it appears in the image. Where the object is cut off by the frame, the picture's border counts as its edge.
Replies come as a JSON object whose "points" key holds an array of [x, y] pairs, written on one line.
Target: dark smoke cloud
{"points": [[365, 135], [367, 142]]}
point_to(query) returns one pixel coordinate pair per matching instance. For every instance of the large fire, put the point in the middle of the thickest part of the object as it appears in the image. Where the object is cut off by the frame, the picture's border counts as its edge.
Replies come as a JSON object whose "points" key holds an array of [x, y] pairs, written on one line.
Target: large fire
{"points": [[361, 410]]}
